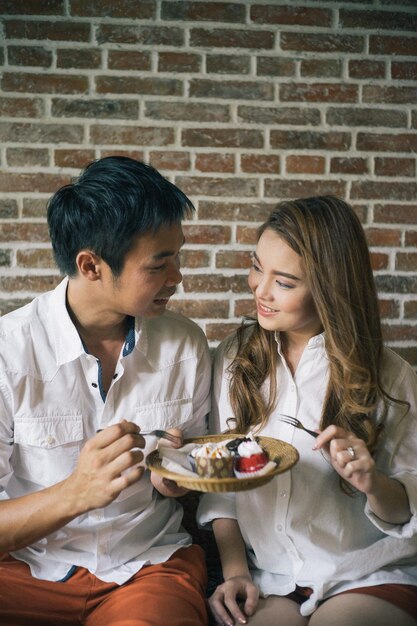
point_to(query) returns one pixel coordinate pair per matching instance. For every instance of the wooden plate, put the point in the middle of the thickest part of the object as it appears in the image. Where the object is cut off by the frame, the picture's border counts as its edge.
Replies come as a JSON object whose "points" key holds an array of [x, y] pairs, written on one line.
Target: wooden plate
{"points": [[283, 453]]}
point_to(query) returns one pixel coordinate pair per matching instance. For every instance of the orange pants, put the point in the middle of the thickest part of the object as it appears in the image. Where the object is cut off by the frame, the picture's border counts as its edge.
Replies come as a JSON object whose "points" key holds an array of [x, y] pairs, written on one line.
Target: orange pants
{"points": [[166, 593]]}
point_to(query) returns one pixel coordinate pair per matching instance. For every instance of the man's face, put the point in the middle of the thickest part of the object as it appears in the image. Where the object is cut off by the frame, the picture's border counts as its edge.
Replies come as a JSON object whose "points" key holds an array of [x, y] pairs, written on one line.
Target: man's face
{"points": [[149, 277]]}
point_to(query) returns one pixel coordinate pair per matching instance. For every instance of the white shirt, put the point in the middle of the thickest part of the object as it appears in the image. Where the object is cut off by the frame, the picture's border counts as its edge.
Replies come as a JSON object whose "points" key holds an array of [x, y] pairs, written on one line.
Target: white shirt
{"points": [[51, 402], [300, 528]]}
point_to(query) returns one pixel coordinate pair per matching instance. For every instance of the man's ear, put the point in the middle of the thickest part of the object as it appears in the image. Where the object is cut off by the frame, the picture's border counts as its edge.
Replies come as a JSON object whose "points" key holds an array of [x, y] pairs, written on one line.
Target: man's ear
{"points": [[88, 264]]}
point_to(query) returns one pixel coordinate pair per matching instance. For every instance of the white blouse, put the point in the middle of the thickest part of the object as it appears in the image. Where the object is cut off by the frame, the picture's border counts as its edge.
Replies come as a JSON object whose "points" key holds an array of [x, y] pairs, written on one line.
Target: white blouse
{"points": [[300, 528]]}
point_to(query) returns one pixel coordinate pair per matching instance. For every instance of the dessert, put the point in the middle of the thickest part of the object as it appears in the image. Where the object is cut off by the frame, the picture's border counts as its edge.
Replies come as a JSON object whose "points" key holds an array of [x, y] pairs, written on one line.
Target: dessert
{"points": [[213, 461], [250, 459]]}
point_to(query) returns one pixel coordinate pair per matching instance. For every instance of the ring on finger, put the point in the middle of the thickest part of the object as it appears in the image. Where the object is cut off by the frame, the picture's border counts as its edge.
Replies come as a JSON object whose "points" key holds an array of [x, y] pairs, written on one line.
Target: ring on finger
{"points": [[351, 452]]}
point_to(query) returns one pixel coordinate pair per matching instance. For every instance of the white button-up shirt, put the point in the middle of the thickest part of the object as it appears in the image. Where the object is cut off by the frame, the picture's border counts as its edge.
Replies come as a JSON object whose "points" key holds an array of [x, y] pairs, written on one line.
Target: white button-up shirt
{"points": [[51, 402], [300, 528]]}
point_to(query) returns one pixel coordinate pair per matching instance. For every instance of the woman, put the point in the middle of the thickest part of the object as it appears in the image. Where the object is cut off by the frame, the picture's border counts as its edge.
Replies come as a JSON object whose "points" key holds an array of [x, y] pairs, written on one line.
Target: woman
{"points": [[332, 541]]}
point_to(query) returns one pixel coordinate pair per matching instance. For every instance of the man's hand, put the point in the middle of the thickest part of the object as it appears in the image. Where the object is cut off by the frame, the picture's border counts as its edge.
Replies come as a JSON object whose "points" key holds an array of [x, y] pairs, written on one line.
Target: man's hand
{"points": [[108, 463]]}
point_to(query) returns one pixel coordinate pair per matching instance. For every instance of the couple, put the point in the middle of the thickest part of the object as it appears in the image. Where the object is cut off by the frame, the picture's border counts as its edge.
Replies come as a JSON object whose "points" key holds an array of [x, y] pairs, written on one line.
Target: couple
{"points": [[87, 536]]}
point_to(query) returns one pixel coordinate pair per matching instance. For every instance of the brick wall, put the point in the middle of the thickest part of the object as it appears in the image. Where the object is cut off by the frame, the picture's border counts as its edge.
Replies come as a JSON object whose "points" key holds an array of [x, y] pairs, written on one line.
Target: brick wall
{"points": [[240, 103]]}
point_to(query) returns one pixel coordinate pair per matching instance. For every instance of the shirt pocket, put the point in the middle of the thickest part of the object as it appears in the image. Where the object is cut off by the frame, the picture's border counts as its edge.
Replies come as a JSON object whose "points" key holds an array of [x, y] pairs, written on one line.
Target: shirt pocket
{"points": [[164, 415], [46, 448]]}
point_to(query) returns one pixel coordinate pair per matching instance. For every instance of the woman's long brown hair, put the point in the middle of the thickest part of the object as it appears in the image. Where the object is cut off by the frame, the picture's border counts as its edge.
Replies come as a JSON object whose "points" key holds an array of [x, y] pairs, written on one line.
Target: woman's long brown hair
{"points": [[328, 236]]}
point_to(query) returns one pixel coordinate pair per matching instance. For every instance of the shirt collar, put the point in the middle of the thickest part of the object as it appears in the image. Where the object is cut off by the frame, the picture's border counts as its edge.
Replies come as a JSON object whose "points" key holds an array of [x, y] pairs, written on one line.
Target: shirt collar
{"points": [[318, 341]]}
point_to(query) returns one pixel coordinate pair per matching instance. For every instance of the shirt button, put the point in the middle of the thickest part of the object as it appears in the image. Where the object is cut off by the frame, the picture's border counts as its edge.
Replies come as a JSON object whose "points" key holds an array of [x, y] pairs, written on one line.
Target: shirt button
{"points": [[94, 385], [283, 494], [50, 440], [279, 527]]}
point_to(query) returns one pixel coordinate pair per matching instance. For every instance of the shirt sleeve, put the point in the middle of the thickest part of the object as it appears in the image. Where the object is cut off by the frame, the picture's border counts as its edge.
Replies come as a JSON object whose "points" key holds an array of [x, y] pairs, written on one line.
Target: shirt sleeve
{"points": [[398, 454], [216, 506], [6, 438]]}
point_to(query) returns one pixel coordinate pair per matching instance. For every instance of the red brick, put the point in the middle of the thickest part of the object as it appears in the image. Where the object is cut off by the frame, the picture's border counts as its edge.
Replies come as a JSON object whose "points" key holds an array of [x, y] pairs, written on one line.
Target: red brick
{"points": [[389, 308], [279, 115], [32, 182], [132, 154], [366, 117], [379, 261], [35, 7], [86, 58], [199, 309], [234, 259], [391, 283], [21, 107], [52, 30], [35, 207], [24, 231], [245, 308], [389, 94], [5, 258], [230, 38], [208, 186], [194, 258], [179, 62], [260, 163], [386, 166], [222, 138], [348, 165], [8, 305], [188, 111], [227, 64], [392, 45], [406, 261], [215, 283], [309, 140], [384, 142], [35, 258], [410, 312], [135, 84], [207, 234], [203, 11], [410, 238], [397, 332], [145, 9], [170, 160], [359, 68], [44, 83], [246, 234], [318, 92], [8, 208], [234, 211], [139, 60], [73, 158], [218, 332], [131, 135], [377, 189], [22, 157], [97, 108], [395, 213], [31, 283], [275, 66], [383, 237], [247, 90], [391, 20], [321, 68], [215, 162], [321, 42], [300, 164], [29, 55], [302, 188], [40, 133], [294, 16], [141, 35], [404, 70]]}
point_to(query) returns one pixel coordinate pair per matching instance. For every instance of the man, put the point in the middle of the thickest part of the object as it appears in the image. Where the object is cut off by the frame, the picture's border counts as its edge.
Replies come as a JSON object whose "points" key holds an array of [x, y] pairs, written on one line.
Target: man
{"points": [[84, 369]]}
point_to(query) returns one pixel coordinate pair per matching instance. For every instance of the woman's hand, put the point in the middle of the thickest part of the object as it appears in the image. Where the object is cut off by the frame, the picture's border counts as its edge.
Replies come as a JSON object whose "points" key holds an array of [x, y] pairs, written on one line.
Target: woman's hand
{"points": [[349, 456], [352, 460], [236, 592]]}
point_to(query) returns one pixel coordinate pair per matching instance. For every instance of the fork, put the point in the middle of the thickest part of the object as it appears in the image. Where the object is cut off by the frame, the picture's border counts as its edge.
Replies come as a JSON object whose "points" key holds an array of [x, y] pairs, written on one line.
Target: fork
{"points": [[288, 419], [163, 434]]}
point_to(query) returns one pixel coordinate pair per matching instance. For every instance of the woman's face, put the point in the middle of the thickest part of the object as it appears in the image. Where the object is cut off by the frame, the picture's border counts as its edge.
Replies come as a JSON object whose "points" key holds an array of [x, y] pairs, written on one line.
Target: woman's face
{"points": [[283, 298]]}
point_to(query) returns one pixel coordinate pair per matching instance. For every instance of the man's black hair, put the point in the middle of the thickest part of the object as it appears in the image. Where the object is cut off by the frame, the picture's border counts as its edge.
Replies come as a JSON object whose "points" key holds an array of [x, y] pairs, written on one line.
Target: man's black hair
{"points": [[115, 200]]}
